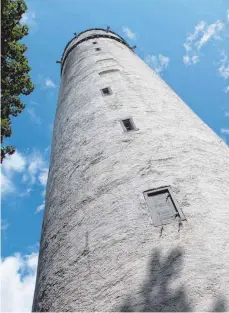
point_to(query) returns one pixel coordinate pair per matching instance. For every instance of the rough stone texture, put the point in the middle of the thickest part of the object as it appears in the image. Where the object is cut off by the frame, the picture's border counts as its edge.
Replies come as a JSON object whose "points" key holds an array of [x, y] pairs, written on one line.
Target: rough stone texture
{"points": [[99, 249]]}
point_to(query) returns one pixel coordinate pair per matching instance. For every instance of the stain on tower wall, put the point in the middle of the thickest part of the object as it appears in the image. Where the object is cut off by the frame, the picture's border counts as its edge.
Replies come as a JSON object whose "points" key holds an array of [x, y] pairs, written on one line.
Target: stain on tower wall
{"points": [[99, 248]]}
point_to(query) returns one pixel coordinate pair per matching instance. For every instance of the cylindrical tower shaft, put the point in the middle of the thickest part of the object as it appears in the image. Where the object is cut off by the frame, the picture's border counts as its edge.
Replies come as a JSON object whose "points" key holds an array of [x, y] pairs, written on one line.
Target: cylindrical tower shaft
{"points": [[137, 202]]}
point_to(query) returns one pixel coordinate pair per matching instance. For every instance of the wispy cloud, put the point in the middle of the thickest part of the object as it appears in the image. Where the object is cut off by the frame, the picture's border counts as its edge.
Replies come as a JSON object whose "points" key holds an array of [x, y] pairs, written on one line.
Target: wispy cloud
{"points": [[157, 63], [29, 18], [224, 65], [18, 275], [26, 193], [223, 69], [36, 168], [40, 207], [36, 173], [211, 31], [49, 83], [196, 40], [224, 131], [190, 60], [43, 176], [34, 117], [228, 15], [4, 225], [128, 32], [226, 114]]}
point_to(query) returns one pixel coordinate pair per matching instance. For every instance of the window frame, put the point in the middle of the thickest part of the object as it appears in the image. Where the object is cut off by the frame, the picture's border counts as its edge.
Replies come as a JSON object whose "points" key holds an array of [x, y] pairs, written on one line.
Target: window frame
{"points": [[156, 220], [131, 122], [104, 94]]}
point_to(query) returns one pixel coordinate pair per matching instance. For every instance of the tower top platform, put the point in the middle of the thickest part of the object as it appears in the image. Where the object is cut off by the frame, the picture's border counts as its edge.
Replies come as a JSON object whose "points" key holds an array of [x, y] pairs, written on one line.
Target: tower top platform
{"points": [[88, 34]]}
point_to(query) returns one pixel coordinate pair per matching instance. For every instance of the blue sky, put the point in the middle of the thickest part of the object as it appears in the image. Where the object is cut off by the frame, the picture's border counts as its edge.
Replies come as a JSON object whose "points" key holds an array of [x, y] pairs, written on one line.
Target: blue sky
{"points": [[185, 41]]}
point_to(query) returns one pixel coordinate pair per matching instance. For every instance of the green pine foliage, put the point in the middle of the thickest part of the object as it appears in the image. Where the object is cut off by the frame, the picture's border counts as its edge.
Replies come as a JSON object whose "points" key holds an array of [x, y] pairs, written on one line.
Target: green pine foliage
{"points": [[15, 78]]}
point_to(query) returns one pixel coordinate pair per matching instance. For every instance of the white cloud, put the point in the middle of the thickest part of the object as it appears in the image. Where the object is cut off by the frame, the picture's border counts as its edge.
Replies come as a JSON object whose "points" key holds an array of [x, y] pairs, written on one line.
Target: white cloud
{"points": [[36, 165], [18, 275], [34, 117], [224, 66], [24, 18], [226, 113], [43, 180], [224, 131], [186, 60], [49, 83], [43, 176], [32, 167], [198, 29], [158, 63], [6, 185], [228, 15], [4, 225], [37, 172], [212, 31], [128, 32], [201, 35], [12, 164], [187, 46], [29, 18], [195, 59], [40, 207]]}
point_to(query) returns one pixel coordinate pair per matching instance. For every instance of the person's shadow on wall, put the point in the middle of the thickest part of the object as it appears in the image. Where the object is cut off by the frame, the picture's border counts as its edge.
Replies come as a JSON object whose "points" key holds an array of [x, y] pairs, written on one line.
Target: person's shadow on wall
{"points": [[156, 294]]}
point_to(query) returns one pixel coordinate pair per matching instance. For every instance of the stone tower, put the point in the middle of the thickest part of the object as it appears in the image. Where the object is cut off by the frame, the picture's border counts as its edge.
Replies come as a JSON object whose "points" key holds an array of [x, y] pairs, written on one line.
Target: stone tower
{"points": [[137, 202]]}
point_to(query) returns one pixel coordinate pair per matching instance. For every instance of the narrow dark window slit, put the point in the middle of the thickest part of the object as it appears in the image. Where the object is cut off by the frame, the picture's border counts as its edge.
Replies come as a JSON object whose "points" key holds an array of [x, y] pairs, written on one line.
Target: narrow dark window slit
{"points": [[128, 124]]}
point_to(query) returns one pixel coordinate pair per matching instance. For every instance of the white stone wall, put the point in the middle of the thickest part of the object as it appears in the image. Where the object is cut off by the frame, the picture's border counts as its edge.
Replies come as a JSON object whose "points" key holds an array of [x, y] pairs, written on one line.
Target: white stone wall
{"points": [[99, 248]]}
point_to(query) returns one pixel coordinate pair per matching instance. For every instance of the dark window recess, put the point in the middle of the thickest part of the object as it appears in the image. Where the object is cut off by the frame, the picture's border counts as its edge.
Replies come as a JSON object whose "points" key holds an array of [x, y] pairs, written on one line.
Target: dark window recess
{"points": [[97, 49], [106, 91], [128, 124], [95, 42], [162, 206]]}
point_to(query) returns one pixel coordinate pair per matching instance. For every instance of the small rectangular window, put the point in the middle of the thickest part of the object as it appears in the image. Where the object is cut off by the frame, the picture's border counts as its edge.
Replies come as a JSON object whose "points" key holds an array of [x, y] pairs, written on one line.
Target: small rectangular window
{"points": [[106, 91], [128, 124], [162, 206], [97, 49]]}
